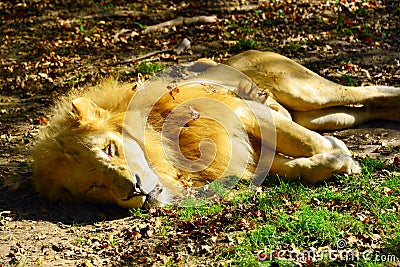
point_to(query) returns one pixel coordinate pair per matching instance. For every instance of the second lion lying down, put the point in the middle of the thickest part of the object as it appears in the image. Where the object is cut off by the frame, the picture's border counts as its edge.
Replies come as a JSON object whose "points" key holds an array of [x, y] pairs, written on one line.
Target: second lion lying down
{"points": [[103, 148]]}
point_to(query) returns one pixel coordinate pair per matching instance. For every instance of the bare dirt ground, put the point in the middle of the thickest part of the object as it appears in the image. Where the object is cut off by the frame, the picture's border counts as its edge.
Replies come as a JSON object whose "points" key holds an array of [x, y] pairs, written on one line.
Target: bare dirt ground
{"points": [[48, 47]]}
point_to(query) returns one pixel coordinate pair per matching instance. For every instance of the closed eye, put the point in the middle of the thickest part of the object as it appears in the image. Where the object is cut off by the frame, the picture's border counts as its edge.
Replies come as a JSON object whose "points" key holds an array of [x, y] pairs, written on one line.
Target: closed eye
{"points": [[94, 186], [111, 150]]}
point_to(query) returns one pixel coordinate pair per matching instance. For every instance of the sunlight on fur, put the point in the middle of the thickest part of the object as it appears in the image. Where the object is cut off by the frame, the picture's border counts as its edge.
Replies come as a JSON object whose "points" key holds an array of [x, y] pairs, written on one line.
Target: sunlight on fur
{"points": [[89, 153]]}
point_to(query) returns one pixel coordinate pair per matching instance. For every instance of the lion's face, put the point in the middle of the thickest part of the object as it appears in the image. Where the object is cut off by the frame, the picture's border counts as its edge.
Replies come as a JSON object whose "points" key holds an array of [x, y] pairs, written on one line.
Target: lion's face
{"points": [[89, 164], [108, 178]]}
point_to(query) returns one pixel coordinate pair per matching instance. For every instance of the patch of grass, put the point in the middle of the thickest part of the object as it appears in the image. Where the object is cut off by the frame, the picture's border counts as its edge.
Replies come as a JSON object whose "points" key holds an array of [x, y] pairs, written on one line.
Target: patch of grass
{"points": [[244, 28], [141, 26], [370, 165], [75, 80], [77, 224], [113, 242], [322, 227], [244, 44], [132, 6], [82, 241], [348, 32], [393, 245], [326, 194], [305, 228], [368, 181], [292, 47], [109, 6], [241, 196], [105, 5], [137, 212], [86, 27], [189, 212], [164, 230], [363, 12], [218, 188], [348, 80], [299, 217], [82, 29], [149, 67], [3, 222]]}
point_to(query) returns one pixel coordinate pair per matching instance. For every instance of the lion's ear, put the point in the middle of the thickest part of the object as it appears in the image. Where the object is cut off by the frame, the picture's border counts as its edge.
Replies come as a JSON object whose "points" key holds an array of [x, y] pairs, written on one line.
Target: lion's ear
{"points": [[85, 109]]}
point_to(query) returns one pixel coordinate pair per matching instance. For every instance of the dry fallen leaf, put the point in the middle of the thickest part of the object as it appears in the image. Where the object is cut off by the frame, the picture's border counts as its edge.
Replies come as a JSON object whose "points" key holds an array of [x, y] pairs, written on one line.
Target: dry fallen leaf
{"points": [[386, 191], [41, 120], [396, 161], [173, 91]]}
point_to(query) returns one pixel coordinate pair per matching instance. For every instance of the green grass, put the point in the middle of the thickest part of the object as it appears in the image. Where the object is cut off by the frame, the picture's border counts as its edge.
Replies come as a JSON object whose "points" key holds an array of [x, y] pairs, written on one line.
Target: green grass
{"points": [[191, 211], [3, 223], [149, 67], [348, 80], [86, 27], [296, 217], [82, 241], [141, 26], [137, 213], [363, 12], [244, 44], [304, 217], [292, 47]]}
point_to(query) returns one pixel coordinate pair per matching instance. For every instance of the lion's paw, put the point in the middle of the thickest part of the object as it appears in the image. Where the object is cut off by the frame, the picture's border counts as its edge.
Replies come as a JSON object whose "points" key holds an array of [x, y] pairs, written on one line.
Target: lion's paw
{"points": [[350, 166], [338, 147]]}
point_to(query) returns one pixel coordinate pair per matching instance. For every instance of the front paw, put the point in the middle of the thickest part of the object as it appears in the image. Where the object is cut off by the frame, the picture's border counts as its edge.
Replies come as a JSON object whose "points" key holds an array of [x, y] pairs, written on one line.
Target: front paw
{"points": [[338, 146], [350, 166]]}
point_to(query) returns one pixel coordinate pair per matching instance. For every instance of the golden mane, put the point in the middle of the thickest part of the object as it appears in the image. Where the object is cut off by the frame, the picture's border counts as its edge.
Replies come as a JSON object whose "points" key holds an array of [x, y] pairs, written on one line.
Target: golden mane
{"points": [[111, 99], [163, 155]]}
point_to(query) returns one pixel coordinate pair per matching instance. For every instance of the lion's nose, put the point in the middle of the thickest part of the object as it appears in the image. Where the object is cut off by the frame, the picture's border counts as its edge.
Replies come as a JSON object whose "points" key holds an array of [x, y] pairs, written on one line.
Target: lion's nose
{"points": [[136, 189], [137, 185]]}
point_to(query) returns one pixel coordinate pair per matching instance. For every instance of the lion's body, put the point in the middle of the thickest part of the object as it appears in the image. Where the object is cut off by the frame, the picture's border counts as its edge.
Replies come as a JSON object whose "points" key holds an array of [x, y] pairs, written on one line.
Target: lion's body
{"points": [[93, 150]]}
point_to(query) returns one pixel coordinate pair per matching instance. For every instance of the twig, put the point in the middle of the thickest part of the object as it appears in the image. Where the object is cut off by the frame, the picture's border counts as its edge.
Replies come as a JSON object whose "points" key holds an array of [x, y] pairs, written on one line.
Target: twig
{"points": [[119, 33], [185, 44], [181, 21], [114, 13]]}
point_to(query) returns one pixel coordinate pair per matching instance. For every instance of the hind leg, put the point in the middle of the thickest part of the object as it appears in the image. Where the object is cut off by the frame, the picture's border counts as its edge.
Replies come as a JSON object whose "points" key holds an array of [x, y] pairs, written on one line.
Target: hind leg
{"points": [[292, 139], [300, 152], [336, 118], [313, 169], [300, 89]]}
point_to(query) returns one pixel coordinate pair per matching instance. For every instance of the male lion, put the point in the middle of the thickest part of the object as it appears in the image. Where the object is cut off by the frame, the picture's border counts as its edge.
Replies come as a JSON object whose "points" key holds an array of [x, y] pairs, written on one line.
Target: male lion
{"points": [[100, 148]]}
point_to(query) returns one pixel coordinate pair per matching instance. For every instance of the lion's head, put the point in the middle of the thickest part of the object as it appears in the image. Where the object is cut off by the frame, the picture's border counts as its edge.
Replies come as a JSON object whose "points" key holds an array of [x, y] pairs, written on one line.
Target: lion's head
{"points": [[80, 156]]}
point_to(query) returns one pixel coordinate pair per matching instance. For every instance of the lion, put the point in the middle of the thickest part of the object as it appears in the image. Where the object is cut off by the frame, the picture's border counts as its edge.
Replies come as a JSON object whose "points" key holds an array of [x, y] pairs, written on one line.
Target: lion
{"points": [[104, 147]]}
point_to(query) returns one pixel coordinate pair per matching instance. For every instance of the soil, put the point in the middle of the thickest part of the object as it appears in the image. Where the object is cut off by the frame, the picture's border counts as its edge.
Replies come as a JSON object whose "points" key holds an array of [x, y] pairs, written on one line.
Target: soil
{"points": [[50, 47]]}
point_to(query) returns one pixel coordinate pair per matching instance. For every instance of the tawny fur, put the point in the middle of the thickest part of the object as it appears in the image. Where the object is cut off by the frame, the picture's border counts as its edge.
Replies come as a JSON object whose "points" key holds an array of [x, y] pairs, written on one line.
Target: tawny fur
{"points": [[93, 137]]}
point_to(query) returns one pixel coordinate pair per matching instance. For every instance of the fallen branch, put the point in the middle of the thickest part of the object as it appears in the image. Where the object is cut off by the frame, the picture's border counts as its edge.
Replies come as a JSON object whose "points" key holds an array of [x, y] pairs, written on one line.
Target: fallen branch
{"points": [[112, 14], [181, 21], [185, 44], [116, 36]]}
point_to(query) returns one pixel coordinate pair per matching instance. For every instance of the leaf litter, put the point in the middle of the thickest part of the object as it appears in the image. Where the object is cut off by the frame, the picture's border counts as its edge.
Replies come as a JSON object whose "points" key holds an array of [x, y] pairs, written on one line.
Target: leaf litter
{"points": [[51, 47]]}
